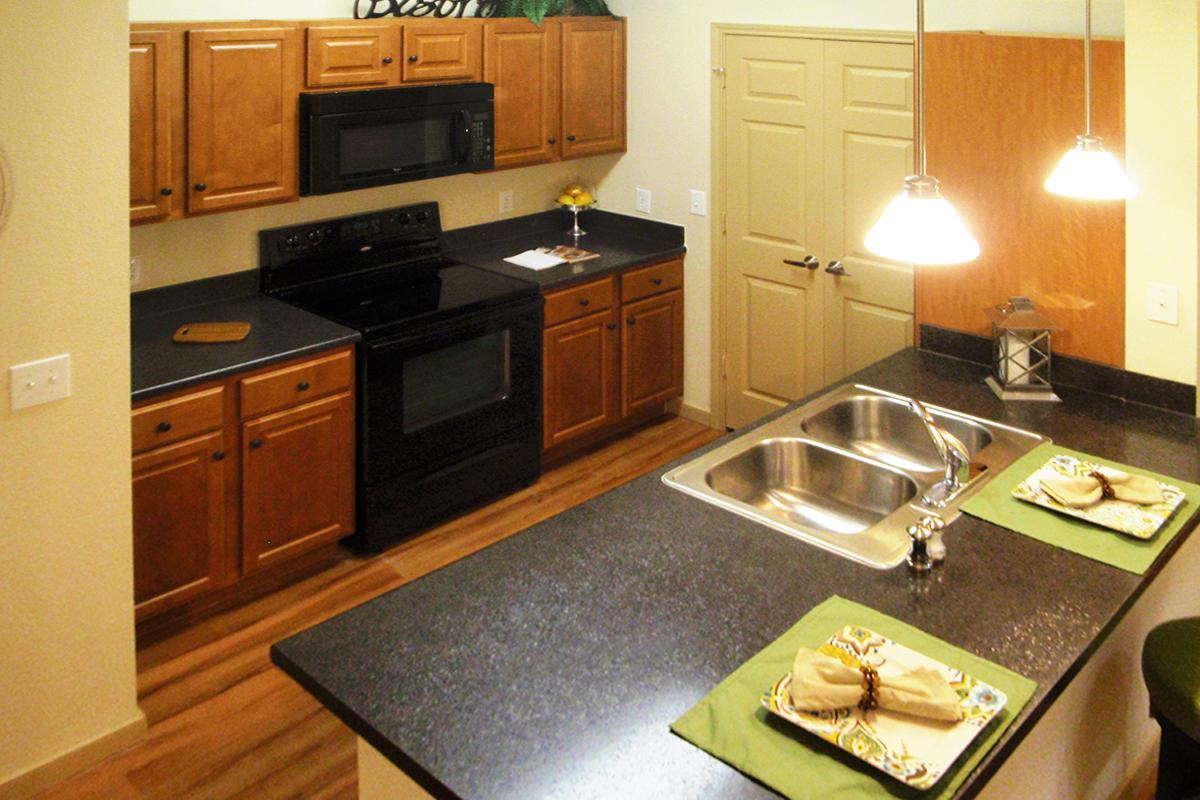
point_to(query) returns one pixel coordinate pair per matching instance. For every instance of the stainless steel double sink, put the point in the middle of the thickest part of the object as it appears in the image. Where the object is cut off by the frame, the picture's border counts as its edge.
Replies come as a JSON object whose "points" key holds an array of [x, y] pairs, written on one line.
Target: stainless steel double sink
{"points": [[847, 472]]}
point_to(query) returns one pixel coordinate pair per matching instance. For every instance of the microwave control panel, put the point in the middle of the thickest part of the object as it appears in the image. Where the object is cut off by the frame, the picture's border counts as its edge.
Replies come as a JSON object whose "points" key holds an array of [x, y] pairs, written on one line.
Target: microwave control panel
{"points": [[481, 141]]}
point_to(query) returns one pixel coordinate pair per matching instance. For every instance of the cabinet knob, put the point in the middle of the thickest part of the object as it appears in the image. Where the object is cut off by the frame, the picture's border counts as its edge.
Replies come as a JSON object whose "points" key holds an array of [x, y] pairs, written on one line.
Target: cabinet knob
{"points": [[387, 59], [200, 187], [302, 386], [219, 455], [164, 426], [583, 301], [255, 444], [552, 140], [612, 326], [166, 191], [412, 59], [632, 321], [656, 281], [571, 138]]}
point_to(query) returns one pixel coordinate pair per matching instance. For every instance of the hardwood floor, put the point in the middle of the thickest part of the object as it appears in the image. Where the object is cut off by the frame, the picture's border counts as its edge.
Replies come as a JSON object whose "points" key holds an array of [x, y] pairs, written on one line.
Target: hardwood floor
{"points": [[224, 723]]}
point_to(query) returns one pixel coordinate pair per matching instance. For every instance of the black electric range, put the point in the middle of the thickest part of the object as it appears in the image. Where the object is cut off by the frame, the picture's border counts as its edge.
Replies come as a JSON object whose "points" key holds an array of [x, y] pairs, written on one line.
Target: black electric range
{"points": [[449, 366]]}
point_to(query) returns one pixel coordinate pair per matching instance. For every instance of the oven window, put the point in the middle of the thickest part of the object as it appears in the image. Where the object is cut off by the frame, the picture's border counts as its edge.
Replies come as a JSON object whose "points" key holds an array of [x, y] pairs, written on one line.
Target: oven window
{"points": [[395, 146], [454, 380]]}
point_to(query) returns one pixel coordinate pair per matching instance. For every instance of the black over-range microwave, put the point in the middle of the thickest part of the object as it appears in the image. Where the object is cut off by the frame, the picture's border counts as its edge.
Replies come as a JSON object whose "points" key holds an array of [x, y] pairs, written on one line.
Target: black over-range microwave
{"points": [[374, 137]]}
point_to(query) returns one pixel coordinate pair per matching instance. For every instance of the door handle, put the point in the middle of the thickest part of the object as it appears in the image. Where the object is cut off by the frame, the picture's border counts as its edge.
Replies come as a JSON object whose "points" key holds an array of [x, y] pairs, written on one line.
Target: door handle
{"points": [[809, 262], [462, 136], [835, 268]]}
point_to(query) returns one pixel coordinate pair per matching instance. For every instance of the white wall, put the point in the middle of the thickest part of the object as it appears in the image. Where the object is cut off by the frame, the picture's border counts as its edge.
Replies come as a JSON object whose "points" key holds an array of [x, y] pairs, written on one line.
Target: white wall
{"points": [[669, 104], [67, 674]]}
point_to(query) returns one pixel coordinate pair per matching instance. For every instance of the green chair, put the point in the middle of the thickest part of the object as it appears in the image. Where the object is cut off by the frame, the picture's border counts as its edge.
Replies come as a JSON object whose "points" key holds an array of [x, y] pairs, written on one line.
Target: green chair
{"points": [[1171, 668]]}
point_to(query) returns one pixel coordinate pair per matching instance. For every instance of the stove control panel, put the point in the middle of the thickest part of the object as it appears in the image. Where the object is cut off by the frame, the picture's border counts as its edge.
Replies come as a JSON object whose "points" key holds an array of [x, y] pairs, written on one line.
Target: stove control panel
{"points": [[329, 238]]}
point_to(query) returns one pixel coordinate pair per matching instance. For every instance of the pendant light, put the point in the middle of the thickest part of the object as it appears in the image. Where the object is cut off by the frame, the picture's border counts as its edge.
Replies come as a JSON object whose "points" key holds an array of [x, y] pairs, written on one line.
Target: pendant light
{"points": [[1088, 171], [919, 225]]}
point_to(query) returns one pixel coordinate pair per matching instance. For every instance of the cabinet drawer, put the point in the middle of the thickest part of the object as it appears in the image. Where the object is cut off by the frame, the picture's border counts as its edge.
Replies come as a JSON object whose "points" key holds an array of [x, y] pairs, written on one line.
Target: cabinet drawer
{"points": [[298, 383], [177, 419], [639, 283], [579, 301]]}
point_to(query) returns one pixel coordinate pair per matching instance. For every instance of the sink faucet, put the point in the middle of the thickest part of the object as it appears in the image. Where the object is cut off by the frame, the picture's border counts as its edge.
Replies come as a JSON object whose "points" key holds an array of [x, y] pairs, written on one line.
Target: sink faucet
{"points": [[954, 455]]}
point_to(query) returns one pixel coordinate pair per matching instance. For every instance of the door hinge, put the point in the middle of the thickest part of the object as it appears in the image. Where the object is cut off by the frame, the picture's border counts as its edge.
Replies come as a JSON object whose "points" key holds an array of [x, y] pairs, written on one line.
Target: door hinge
{"points": [[724, 223], [723, 360]]}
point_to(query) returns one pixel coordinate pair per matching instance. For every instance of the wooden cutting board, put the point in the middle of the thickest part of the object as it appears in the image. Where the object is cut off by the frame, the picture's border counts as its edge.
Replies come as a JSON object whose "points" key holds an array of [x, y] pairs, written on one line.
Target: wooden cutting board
{"points": [[210, 332]]}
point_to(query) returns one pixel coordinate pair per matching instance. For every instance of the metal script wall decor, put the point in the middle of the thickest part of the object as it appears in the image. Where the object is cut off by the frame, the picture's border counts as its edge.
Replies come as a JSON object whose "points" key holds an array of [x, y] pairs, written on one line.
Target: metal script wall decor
{"points": [[374, 9]]}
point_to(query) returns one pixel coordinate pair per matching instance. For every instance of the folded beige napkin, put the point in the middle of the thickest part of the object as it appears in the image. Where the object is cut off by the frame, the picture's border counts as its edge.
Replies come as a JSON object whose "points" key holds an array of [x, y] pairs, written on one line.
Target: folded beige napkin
{"points": [[1081, 492], [820, 682]]}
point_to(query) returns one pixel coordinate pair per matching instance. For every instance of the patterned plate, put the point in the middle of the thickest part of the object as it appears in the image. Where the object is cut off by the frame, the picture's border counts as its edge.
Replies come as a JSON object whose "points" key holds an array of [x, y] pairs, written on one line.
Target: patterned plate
{"points": [[1141, 522], [915, 751]]}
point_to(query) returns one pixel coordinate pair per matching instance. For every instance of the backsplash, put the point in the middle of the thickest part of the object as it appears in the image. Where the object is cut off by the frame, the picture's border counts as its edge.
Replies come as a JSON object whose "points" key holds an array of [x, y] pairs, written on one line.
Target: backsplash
{"points": [[203, 247]]}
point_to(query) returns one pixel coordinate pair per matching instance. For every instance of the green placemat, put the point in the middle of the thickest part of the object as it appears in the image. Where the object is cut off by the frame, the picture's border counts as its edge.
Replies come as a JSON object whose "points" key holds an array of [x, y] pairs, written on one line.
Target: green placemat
{"points": [[732, 725], [996, 504]]}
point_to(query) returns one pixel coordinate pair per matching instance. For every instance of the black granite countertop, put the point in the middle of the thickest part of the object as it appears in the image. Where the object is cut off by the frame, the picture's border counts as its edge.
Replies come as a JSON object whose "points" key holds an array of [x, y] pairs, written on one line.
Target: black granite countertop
{"points": [[552, 663], [278, 332], [621, 241]]}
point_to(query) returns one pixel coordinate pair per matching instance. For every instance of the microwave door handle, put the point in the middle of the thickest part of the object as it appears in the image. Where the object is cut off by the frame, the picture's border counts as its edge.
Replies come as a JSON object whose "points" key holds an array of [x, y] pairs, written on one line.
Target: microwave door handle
{"points": [[462, 135]]}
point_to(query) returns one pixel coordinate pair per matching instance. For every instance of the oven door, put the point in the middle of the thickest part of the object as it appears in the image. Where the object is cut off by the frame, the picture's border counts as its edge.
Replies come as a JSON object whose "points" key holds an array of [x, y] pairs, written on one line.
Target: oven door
{"points": [[449, 389], [358, 149]]}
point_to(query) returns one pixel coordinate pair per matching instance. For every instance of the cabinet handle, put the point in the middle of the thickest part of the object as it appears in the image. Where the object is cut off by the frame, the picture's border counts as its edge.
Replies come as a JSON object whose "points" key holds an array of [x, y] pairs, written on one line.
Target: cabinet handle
{"points": [[219, 455], [166, 191], [656, 281], [412, 59], [255, 444], [552, 140], [302, 386], [583, 301], [387, 59], [571, 138], [612, 326], [163, 427], [632, 321], [200, 187]]}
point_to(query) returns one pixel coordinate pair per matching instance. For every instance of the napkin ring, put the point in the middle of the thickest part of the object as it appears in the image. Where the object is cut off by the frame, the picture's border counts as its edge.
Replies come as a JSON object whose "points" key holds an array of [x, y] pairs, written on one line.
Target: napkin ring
{"points": [[1106, 490], [870, 687]]}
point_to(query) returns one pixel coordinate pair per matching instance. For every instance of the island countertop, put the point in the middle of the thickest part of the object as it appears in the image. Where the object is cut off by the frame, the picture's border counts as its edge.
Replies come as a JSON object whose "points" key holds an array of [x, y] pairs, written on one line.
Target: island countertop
{"points": [[552, 663]]}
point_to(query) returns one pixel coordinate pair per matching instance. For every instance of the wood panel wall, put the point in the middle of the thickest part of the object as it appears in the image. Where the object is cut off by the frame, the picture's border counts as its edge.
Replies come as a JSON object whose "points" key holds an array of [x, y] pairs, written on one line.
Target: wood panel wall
{"points": [[1000, 112]]}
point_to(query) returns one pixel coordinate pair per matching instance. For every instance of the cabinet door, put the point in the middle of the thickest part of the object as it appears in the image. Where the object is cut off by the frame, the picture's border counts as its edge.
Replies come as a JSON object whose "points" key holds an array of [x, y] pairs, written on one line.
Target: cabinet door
{"points": [[651, 352], [580, 383], [242, 108], [522, 59], [353, 55], [178, 522], [151, 195], [593, 87], [297, 480], [442, 51]]}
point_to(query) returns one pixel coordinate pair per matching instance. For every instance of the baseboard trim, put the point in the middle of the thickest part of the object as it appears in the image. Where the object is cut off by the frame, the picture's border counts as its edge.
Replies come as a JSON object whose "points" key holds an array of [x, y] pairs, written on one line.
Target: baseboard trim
{"points": [[36, 779], [700, 415]]}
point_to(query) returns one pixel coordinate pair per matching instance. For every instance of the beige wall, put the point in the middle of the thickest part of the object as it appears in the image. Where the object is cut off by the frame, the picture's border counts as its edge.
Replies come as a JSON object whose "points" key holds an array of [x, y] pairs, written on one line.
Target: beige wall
{"points": [[67, 673], [1161, 146]]}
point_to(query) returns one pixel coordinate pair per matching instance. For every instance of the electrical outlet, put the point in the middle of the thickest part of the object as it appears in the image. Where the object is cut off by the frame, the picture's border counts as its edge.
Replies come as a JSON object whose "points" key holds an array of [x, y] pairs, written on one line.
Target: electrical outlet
{"points": [[135, 271], [699, 204], [1162, 303], [40, 381], [506, 201], [642, 200]]}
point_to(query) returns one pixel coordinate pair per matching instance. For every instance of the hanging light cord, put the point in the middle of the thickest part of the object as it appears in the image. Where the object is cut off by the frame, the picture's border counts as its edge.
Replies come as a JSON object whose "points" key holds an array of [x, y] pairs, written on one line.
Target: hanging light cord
{"points": [[920, 87], [1087, 69]]}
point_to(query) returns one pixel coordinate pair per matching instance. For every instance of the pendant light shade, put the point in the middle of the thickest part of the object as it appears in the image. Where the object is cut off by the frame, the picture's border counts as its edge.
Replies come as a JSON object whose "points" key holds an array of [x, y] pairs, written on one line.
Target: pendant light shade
{"points": [[1088, 171], [920, 226]]}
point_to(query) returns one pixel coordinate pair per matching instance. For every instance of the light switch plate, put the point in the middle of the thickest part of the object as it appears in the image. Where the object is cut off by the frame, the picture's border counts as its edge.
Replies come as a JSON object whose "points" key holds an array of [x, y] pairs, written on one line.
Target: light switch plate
{"points": [[642, 200], [39, 382], [699, 203], [1162, 303], [506, 201]]}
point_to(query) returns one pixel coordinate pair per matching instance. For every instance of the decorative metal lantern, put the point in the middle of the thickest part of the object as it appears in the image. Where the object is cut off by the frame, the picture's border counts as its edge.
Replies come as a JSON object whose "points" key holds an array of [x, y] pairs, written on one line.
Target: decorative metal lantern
{"points": [[1021, 352]]}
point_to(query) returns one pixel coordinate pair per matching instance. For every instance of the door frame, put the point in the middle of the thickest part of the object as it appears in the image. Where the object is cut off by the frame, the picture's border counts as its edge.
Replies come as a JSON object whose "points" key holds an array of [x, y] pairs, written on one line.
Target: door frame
{"points": [[721, 33]]}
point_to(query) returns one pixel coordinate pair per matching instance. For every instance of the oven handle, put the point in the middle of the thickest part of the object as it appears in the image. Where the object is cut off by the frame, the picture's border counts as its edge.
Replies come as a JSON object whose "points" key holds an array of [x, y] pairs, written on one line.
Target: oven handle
{"points": [[462, 136], [496, 318]]}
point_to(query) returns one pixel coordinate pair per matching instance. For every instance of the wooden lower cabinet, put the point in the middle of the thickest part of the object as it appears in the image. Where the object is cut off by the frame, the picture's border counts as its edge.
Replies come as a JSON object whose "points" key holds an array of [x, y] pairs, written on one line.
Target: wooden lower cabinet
{"points": [[179, 522], [223, 493], [297, 480], [611, 356]]}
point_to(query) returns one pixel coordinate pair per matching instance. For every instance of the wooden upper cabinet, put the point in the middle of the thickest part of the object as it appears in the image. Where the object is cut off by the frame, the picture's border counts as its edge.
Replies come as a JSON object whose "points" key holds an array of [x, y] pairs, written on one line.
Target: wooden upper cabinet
{"points": [[651, 352], [242, 112], [151, 194], [521, 59], [366, 54], [178, 522], [442, 50], [579, 377], [297, 480], [593, 87]]}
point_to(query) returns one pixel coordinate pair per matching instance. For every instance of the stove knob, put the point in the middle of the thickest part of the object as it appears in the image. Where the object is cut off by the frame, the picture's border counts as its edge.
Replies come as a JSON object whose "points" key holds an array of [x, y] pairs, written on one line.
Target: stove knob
{"points": [[404, 218], [291, 241], [314, 235], [422, 216]]}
